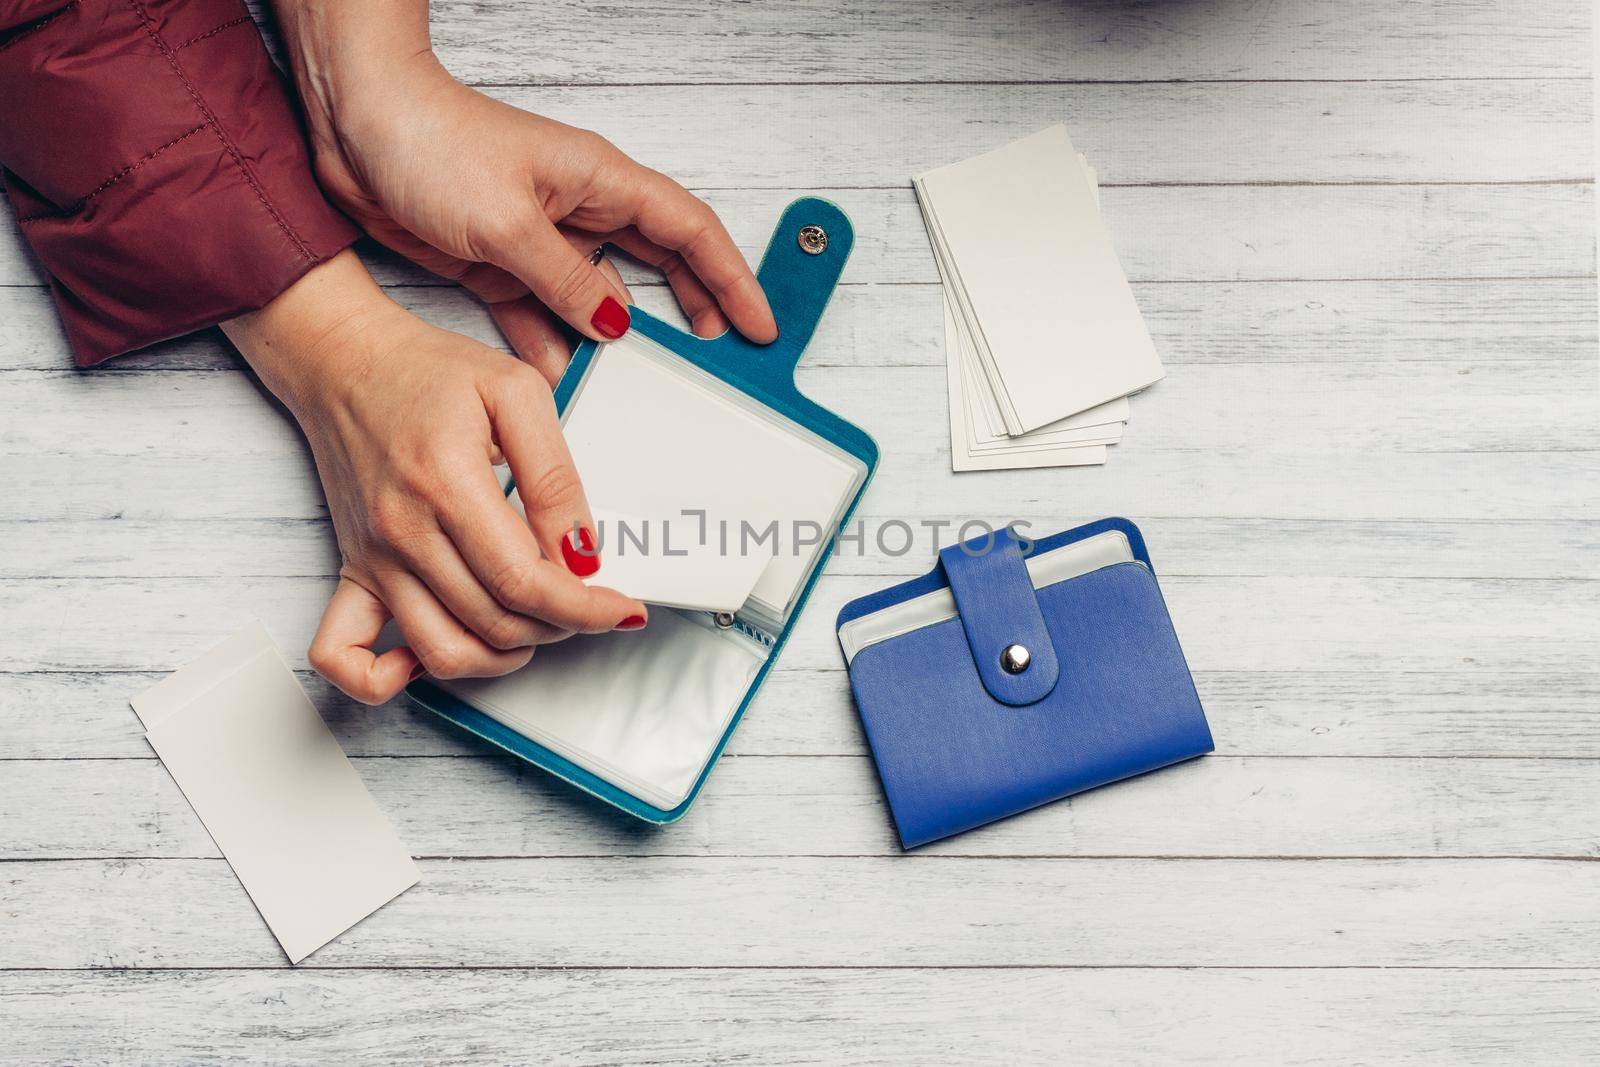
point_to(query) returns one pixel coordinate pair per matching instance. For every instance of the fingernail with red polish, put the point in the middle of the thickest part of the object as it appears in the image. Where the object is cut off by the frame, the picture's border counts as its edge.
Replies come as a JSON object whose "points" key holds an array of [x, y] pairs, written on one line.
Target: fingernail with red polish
{"points": [[632, 622], [581, 558], [611, 319]]}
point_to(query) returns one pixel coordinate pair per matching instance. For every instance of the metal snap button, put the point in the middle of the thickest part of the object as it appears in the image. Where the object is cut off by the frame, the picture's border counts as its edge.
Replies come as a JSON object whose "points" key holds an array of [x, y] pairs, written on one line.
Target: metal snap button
{"points": [[813, 240], [1015, 659], [723, 619]]}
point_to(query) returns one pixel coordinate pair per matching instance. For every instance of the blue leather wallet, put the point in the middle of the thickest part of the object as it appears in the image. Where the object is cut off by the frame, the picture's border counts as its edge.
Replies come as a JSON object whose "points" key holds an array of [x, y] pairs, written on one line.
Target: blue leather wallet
{"points": [[1018, 672]]}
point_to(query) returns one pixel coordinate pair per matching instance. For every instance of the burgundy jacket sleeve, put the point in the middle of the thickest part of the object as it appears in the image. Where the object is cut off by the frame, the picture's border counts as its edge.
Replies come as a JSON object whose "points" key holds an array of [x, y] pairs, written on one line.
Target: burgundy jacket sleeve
{"points": [[156, 164]]}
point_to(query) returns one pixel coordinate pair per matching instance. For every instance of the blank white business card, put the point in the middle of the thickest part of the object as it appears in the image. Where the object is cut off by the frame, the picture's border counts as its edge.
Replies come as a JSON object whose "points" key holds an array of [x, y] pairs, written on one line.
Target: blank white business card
{"points": [[654, 436], [676, 563], [275, 791], [967, 454], [1101, 425], [1031, 268]]}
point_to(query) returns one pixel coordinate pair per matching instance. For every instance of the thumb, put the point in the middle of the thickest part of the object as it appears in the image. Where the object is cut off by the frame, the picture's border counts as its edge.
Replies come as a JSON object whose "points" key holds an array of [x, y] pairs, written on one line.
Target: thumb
{"points": [[565, 281]]}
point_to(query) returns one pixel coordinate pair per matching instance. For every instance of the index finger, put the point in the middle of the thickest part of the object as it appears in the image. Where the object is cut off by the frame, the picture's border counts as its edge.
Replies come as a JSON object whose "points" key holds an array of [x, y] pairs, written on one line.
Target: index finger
{"points": [[342, 649], [675, 218]]}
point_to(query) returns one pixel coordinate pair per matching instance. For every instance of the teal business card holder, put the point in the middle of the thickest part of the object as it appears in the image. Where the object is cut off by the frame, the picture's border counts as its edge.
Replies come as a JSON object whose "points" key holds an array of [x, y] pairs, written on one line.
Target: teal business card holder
{"points": [[685, 666]]}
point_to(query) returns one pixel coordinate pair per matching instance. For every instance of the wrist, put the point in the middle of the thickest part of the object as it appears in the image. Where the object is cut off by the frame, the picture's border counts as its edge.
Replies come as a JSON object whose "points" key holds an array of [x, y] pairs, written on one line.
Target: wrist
{"points": [[314, 342], [352, 61]]}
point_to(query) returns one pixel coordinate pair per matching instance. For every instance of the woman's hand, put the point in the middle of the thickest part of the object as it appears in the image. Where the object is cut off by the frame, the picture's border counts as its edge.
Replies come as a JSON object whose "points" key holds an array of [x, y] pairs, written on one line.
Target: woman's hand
{"points": [[506, 202], [405, 422]]}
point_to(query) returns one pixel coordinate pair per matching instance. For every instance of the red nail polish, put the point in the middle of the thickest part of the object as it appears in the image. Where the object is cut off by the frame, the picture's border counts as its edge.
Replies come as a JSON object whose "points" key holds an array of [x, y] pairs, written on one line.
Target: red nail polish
{"points": [[581, 558], [632, 622], [611, 319]]}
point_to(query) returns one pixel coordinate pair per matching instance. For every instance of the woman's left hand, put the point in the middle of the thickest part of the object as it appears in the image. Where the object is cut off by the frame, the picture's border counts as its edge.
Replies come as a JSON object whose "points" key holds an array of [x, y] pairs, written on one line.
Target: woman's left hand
{"points": [[506, 202]]}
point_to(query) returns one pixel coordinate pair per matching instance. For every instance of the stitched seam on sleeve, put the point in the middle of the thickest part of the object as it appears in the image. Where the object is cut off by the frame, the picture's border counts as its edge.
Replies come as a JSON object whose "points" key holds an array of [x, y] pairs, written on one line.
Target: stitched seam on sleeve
{"points": [[83, 201], [227, 142], [37, 26], [240, 21]]}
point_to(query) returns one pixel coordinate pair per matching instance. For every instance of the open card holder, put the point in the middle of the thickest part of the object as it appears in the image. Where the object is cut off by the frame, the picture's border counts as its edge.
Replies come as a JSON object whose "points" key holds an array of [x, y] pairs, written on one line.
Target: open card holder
{"points": [[1014, 674], [639, 718]]}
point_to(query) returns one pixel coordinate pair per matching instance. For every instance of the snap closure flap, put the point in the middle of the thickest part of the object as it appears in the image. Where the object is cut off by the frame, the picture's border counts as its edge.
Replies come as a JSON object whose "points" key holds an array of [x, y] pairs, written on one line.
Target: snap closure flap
{"points": [[1000, 613]]}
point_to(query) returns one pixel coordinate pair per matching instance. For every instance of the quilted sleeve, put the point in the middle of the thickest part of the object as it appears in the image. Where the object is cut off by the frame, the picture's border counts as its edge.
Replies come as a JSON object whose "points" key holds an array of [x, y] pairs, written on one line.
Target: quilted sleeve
{"points": [[156, 164]]}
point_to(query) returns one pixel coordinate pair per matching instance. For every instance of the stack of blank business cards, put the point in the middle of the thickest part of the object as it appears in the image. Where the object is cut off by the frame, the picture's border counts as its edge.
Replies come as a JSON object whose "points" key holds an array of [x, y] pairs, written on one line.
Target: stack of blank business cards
{"points": [[1044, 343]]}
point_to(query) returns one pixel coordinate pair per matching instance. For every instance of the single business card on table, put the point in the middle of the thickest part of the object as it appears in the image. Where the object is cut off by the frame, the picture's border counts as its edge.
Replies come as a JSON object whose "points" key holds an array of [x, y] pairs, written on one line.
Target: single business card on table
{"points": [[276, 792]]}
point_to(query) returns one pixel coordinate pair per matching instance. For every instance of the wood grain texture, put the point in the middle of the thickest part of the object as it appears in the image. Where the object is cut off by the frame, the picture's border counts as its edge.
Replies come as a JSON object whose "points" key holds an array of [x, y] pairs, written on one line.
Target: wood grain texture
{"points": [[765, 136], [1224, 482], [891, 911], [693, 1017], [1014, 40], [833, 806], [1363, 237], [1376, 713]]}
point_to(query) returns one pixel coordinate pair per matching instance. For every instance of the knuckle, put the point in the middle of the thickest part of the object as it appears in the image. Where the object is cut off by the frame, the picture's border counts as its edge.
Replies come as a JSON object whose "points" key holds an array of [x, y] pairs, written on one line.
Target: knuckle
{"points": [[595, 152], [365, 690], [705, 219], [444, 660], [673, 266], [501, 231], [506, 631], [695, 240], [391, 520], [515, 586], [556, 488], [701, 248], [570, 289], [514, 378]]}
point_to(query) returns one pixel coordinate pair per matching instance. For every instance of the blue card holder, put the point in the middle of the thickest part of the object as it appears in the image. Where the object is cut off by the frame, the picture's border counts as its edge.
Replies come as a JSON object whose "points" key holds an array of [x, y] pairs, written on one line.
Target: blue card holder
{"points": [[1016, 673], [798, 273]]}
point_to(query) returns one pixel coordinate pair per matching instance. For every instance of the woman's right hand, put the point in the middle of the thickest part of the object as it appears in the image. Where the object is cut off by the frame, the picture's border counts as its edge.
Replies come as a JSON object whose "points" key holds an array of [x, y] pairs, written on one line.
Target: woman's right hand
{"points": [[406, 422]]}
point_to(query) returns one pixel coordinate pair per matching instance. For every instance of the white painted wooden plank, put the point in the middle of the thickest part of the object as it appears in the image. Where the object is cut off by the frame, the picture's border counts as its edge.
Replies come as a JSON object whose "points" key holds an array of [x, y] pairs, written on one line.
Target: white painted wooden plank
{"points": [[768, 136], [804, 711], [1199, 322], [1238, 233], [833, 806], [1202, 480], [971, 40], [864, 912], [1232, 624], [1326, 408], [913, 1017], [1205, 233], [134, 548]]}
